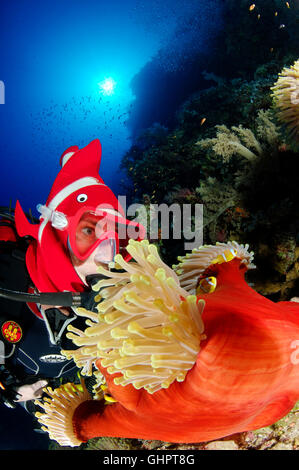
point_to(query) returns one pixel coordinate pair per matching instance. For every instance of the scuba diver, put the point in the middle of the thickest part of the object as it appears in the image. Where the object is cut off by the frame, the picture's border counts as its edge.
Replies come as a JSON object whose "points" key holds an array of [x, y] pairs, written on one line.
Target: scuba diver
{"points": [[47, 268]]}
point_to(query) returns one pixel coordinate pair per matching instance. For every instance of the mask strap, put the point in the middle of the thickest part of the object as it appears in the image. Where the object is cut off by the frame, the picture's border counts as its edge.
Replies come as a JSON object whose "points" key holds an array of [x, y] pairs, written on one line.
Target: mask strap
{"points": [[58, 219]]}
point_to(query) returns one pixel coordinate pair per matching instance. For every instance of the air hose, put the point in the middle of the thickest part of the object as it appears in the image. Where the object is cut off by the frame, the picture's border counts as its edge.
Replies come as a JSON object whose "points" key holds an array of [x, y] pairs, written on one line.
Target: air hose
{"points": [[61, 299]]}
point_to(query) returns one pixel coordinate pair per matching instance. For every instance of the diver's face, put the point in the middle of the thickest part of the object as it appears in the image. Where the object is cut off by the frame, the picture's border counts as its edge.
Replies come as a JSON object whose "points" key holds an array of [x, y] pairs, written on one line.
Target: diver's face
{"points": [[85, 238], [87, 234]]}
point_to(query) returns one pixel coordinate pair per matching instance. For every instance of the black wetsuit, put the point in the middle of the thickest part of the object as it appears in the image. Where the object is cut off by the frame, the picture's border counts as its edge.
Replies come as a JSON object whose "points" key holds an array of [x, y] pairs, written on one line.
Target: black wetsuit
{"points": [[37, 354]]}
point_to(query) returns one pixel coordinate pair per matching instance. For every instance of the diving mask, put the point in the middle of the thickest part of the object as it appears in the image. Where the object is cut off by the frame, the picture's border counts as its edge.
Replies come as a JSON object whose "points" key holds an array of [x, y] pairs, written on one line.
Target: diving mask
{"points": [[102, 232]]}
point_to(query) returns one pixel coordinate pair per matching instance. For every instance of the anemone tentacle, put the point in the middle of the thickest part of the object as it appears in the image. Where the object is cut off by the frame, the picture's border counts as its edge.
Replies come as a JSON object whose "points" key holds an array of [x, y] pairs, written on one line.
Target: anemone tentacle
{"points": [[146, 323]]}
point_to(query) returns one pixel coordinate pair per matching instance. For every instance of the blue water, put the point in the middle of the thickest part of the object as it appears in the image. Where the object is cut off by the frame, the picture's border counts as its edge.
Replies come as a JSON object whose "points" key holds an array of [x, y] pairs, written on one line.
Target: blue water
{"points": [[53, 55]]}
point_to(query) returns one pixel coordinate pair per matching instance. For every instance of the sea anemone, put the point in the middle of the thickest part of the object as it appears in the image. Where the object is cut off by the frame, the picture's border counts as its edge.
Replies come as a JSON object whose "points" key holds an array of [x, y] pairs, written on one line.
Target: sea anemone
{"points": [[144, 330], [193, 265], [179, 367], [286, 99], [59, 413]]}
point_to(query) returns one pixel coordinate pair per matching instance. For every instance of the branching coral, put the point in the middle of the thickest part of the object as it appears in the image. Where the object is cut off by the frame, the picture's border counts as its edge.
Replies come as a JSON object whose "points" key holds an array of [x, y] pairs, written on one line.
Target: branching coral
{"points": [[144, 330], [286, 99], [242, 141], [228, 142]]}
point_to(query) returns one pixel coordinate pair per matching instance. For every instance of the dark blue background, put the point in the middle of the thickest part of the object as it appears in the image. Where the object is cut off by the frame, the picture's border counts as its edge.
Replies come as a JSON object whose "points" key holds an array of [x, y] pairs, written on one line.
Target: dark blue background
{"points": [[53, 55]]}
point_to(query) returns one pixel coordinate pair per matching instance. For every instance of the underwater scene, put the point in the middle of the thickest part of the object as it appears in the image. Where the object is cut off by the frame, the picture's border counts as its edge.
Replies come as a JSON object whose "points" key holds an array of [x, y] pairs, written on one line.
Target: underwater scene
{"points": [[149, 225]]}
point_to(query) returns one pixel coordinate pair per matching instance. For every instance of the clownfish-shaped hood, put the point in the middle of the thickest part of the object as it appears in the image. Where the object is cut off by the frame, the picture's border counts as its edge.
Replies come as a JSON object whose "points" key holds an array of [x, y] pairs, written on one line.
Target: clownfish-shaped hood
{"points": [[77, 185]]}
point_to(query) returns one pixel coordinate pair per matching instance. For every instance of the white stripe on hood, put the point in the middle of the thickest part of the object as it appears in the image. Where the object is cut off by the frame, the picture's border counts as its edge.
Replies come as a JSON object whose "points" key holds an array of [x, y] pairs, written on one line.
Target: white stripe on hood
{"points": [[62, 195]]}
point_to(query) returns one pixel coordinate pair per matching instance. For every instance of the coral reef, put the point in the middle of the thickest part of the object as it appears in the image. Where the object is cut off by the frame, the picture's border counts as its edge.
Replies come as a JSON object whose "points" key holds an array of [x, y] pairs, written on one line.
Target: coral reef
{"points": [[221, 166], [249, 45]]}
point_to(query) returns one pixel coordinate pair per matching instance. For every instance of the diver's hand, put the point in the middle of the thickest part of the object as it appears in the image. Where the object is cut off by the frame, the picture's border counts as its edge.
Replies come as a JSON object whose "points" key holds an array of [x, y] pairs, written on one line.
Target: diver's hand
{"points": [[295, 299], [31, 392]]}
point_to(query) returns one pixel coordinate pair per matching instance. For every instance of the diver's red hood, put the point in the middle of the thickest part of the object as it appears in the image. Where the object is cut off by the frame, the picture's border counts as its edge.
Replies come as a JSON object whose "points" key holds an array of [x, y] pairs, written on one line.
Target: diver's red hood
{"points": [[77, 183]]}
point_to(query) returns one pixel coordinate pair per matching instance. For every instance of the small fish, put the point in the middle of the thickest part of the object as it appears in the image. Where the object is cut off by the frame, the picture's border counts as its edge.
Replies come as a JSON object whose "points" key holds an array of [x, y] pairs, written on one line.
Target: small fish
{"points": [[272, 49], [207, 285], [276, 13], [282, 26], [241, 212], [252, 7], [226, 256], [288, 5], [203, 121], [258, 16]]}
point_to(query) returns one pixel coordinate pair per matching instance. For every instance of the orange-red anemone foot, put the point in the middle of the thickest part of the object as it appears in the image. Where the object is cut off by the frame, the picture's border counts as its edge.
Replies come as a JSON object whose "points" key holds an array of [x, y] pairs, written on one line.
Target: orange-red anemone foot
{"points": [[246, 375]]}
